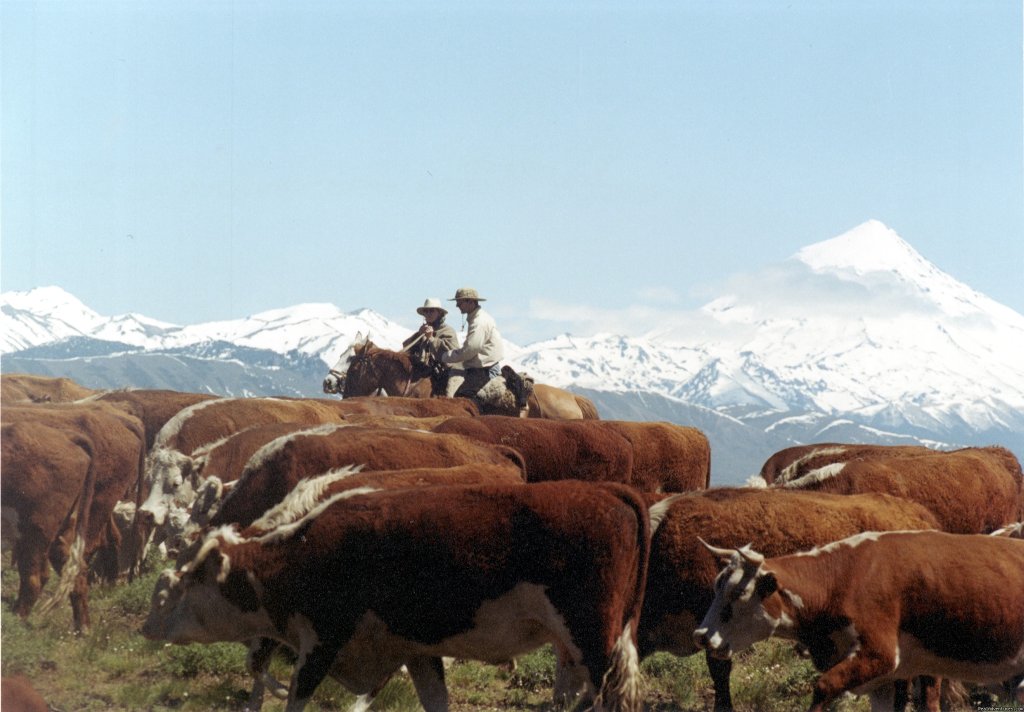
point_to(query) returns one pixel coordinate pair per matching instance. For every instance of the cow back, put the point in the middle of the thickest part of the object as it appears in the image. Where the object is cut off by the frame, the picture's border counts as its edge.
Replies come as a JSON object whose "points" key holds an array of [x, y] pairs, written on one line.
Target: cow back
{"points": [[666, 457], [24, 388], [153, 407], [970, 491], [554, 449], [794, 462], [275, 470], [416, 407]]}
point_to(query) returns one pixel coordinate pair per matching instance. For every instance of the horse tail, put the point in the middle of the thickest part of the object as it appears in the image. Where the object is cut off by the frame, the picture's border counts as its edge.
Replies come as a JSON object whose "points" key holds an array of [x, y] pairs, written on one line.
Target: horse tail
{"points": [[587, 407]]}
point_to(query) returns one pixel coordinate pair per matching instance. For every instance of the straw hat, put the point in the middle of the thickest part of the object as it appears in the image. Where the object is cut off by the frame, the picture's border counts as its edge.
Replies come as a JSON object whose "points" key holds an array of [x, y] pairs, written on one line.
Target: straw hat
{"points": [[466, 293], [432, 303]]}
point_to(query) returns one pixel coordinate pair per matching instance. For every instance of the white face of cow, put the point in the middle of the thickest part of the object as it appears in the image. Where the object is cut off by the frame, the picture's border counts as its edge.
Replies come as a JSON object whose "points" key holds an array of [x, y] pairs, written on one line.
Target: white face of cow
{"points": [[189, 605], [169, 474], [738, 617]]}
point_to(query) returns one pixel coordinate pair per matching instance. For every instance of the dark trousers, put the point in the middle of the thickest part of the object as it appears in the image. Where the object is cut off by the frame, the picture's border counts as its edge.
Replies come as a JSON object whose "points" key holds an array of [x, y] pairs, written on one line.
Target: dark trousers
{"points": [[476, 378]]}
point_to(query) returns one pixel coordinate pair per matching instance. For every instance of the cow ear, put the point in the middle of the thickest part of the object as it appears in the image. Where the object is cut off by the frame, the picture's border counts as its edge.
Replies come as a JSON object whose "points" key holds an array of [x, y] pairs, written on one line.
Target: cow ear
{"points": [[766, 585], [208, 564], [724, 556], [186, 468]]}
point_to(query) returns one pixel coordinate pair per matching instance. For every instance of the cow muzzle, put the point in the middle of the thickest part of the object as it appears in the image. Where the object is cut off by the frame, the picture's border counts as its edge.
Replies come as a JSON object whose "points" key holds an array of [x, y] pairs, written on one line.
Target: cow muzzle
{"points": [[712, 643]]}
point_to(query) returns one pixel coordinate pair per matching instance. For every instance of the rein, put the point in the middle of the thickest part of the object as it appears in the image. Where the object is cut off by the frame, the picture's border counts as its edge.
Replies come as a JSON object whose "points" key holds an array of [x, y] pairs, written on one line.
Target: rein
{"points": [[377, 372]]}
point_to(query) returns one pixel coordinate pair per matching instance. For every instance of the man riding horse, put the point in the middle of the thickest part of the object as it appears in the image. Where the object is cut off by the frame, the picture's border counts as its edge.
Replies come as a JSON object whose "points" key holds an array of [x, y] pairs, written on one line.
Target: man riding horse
{"points": [[480, 354], [432, 338], [434, 349]]}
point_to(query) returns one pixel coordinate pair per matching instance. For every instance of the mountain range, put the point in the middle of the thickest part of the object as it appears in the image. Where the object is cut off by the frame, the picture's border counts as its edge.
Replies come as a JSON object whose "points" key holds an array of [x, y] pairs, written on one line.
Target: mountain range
{"points": [[854, 339]]}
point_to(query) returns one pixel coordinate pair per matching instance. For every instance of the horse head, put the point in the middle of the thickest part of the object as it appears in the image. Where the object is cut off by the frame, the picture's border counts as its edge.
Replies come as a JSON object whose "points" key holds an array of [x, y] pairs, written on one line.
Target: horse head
{"points": [[334, 382]]}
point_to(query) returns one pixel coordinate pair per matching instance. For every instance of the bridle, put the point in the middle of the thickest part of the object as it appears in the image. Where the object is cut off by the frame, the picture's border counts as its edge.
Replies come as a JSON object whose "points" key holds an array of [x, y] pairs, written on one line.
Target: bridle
{"points": [[377, 372]]}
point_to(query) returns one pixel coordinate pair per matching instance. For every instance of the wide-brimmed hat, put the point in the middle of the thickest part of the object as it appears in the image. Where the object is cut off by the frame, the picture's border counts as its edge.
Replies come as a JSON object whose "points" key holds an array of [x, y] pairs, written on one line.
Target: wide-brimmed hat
{"points": [[432, 303], [466, 293]]}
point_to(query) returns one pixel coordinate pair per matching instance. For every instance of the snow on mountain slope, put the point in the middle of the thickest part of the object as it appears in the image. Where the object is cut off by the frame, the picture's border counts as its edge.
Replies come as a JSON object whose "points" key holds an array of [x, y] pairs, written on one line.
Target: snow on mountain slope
{"points": [[42, 315], [861, 322]]}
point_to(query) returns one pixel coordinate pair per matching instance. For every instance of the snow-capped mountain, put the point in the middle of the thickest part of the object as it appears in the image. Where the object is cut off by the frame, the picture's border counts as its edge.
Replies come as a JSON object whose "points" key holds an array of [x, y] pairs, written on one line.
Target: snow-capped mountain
{"points": [[47, 314], [857, 337]]}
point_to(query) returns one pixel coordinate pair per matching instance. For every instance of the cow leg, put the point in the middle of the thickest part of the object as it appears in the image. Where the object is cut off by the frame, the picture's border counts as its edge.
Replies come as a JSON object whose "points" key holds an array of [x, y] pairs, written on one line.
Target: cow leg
{"points": [[931, 693], [883, 697], [427, 675], [570, 678], [720, 671], [869, 662], [309, 673], [901, 695], [33, 572], [80, 601], [257, 662]]}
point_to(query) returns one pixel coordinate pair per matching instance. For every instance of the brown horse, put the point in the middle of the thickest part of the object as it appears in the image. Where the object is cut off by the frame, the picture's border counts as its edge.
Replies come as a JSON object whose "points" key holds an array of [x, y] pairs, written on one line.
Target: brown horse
{"points": [[370, 369]]}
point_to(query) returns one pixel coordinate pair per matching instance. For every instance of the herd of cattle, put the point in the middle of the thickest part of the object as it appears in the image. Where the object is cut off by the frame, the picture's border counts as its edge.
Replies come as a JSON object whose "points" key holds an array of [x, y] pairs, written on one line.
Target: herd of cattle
{"points": [[372, 533]]}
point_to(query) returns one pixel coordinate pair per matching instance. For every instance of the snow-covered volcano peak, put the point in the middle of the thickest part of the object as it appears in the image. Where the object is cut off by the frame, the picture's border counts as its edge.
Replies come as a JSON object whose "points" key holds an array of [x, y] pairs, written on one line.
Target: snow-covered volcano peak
{"points": [[874, 256], [870, 247]]}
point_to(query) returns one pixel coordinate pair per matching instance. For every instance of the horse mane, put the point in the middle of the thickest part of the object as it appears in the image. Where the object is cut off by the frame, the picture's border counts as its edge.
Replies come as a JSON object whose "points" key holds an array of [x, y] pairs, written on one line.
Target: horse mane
{"points": [[374, 351]]}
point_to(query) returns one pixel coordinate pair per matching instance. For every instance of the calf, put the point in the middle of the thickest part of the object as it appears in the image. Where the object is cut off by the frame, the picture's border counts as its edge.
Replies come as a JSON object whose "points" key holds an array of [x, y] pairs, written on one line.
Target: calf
{"points": [[879, 607], [359, 585]]}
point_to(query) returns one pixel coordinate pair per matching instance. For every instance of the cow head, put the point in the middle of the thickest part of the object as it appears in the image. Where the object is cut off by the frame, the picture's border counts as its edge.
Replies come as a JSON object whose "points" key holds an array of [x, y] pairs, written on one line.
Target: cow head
{"points": [[746, 607], [171, 480], [204, 601]]}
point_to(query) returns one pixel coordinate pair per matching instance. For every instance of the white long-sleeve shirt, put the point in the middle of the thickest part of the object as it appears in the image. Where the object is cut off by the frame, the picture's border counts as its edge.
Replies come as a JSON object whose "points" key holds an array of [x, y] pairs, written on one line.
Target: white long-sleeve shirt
{"points": [[483, 346]]}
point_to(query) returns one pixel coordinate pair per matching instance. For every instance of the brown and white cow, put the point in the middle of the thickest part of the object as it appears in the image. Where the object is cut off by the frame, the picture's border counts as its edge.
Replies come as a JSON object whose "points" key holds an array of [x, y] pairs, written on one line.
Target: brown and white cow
{"points": [[970, 491], [171, 475], [794, 462], [276, 468], [653, 457], [360, 585], [170, 470], [65, 467], [681, 574], [249, 505], [879, 607]]}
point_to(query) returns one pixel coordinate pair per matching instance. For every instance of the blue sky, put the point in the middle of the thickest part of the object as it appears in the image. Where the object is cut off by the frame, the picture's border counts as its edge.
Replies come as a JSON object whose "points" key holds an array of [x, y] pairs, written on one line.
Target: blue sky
{"points": [[198, 161]]}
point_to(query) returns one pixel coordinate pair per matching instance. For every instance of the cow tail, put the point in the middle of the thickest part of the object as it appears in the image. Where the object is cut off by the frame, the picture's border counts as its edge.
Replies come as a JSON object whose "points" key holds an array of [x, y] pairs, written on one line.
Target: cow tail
{"points": [[621, 687], [75, 563]]}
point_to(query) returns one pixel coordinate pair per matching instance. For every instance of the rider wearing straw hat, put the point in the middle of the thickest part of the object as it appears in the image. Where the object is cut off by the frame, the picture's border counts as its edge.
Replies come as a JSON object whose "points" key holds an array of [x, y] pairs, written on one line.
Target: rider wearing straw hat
{"points": [[432, 338]]}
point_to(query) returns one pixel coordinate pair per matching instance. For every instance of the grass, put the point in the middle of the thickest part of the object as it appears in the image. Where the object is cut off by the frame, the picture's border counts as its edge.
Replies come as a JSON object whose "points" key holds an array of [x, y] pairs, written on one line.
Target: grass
{"points": [[113, 669]]}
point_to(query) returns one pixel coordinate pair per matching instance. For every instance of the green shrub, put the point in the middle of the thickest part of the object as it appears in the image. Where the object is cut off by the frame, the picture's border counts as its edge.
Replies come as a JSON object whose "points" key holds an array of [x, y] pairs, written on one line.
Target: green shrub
{"points": [[534, 671], [196, 659]]}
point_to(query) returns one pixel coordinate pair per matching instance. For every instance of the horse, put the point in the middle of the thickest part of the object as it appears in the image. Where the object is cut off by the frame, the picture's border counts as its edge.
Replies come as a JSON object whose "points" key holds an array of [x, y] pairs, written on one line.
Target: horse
{"points": [[365, 369]]}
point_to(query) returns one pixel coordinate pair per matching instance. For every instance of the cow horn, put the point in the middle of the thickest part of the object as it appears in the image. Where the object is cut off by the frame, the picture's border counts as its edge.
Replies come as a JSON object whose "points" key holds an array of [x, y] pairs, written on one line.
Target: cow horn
{"points": [[750, 556], [723, 555]]}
